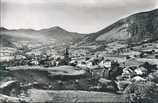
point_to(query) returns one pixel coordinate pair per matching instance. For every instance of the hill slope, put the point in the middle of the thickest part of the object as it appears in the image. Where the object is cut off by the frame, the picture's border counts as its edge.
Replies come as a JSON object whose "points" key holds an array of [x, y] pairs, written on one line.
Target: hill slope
{"points": [[134, 28]]}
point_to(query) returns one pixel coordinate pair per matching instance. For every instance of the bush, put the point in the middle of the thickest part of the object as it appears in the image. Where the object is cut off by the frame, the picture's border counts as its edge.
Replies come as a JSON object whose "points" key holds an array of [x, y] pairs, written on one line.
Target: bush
{"points": [[122, 85], [155, 77], [87, 58], [143, 91], [149, 67], [156, 56]]}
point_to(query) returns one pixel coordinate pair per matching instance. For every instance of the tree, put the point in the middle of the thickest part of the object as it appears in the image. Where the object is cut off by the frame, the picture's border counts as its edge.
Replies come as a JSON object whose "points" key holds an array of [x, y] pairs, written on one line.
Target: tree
{"points": [[149, 67], [87, 58], [115, 70], [142, 91]]}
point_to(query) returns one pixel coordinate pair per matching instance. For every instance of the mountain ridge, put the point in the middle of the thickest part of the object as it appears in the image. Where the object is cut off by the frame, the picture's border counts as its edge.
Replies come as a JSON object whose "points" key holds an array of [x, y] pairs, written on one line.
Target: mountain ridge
{"points": [[56, 34], [131, 29], [136, 27]]}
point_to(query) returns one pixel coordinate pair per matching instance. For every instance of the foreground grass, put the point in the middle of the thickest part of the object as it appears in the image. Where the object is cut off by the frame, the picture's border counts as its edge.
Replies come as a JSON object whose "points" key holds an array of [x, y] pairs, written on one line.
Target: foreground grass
{"points": [[73, 96]]}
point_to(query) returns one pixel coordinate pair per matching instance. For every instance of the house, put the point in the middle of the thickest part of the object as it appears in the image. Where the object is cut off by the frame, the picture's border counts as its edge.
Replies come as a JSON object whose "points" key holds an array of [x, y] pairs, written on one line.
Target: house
{"points": [[107, 63], [128, 73], [140, 71], [89, 64], [101, 64], [98, 72]]}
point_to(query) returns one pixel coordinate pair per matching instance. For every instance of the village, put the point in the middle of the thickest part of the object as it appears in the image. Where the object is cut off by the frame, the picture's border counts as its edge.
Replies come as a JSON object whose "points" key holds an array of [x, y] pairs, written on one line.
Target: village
{"points": [[110, 74]]}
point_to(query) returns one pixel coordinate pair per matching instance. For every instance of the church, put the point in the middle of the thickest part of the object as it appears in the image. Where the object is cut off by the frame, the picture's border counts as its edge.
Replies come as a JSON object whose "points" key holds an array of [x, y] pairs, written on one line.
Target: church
{"points": [[66, 59]]}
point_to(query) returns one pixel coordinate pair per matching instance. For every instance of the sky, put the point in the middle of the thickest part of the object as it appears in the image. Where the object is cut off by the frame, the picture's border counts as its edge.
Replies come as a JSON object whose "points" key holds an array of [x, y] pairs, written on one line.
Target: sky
{"points": [[82, 16]]}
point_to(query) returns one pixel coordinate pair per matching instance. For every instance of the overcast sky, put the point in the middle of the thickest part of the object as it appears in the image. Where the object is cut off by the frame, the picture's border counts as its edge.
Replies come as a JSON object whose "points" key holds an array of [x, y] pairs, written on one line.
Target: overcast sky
{"points": [[83, 16]]}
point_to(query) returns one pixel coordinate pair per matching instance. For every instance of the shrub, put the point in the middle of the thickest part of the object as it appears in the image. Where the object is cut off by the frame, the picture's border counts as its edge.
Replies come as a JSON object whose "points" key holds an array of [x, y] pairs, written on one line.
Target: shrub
{"points": [[123, 84], [143, 91], [155, 77], [156, 56]]}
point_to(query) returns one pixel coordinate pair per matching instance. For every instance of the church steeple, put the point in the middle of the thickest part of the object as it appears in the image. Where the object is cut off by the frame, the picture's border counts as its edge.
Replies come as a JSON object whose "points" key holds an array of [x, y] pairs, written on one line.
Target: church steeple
{"points": [[66, 52], [66, 56]]}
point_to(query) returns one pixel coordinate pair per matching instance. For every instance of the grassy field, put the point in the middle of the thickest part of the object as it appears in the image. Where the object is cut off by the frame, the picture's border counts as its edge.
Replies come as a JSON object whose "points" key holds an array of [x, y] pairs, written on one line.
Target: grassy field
{"points": [[6, 58], [73, 96], [133, 62], [150, 60], [60, 70], [73, 80]]}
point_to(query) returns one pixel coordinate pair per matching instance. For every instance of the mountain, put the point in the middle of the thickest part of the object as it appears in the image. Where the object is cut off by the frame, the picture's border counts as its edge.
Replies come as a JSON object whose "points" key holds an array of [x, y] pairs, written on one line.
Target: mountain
{"points": [[132, 29], [59, 34], [135, 28], [3, 29], [54, 34]]}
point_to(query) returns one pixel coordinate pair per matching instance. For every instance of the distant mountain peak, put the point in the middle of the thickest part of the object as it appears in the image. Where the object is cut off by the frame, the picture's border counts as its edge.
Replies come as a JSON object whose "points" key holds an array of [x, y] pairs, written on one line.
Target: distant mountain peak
{"points": [[53, 29], [56, 28]]}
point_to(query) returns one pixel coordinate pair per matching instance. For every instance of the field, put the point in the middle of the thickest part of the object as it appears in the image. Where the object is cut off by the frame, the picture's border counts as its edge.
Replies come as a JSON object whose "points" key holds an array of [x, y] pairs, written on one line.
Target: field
{"points": [[60, 70], [146, 46], [58, 78], [151, 61], [133, 62], [6, 58], [73, 96]]}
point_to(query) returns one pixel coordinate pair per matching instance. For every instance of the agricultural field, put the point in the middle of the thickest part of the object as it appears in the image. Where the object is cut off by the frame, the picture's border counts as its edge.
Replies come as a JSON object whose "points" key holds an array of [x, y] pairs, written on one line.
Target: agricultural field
{"points": [[73, 96]]}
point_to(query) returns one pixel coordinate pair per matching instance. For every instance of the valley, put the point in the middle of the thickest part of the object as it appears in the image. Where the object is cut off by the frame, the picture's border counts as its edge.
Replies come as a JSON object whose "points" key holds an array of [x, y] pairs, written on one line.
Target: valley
{"points": [[55, 65]]}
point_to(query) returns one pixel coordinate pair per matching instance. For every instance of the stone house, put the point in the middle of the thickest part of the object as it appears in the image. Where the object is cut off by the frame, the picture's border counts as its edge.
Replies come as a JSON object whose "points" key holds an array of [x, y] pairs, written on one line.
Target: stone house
{"points": [[98, 72]]}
